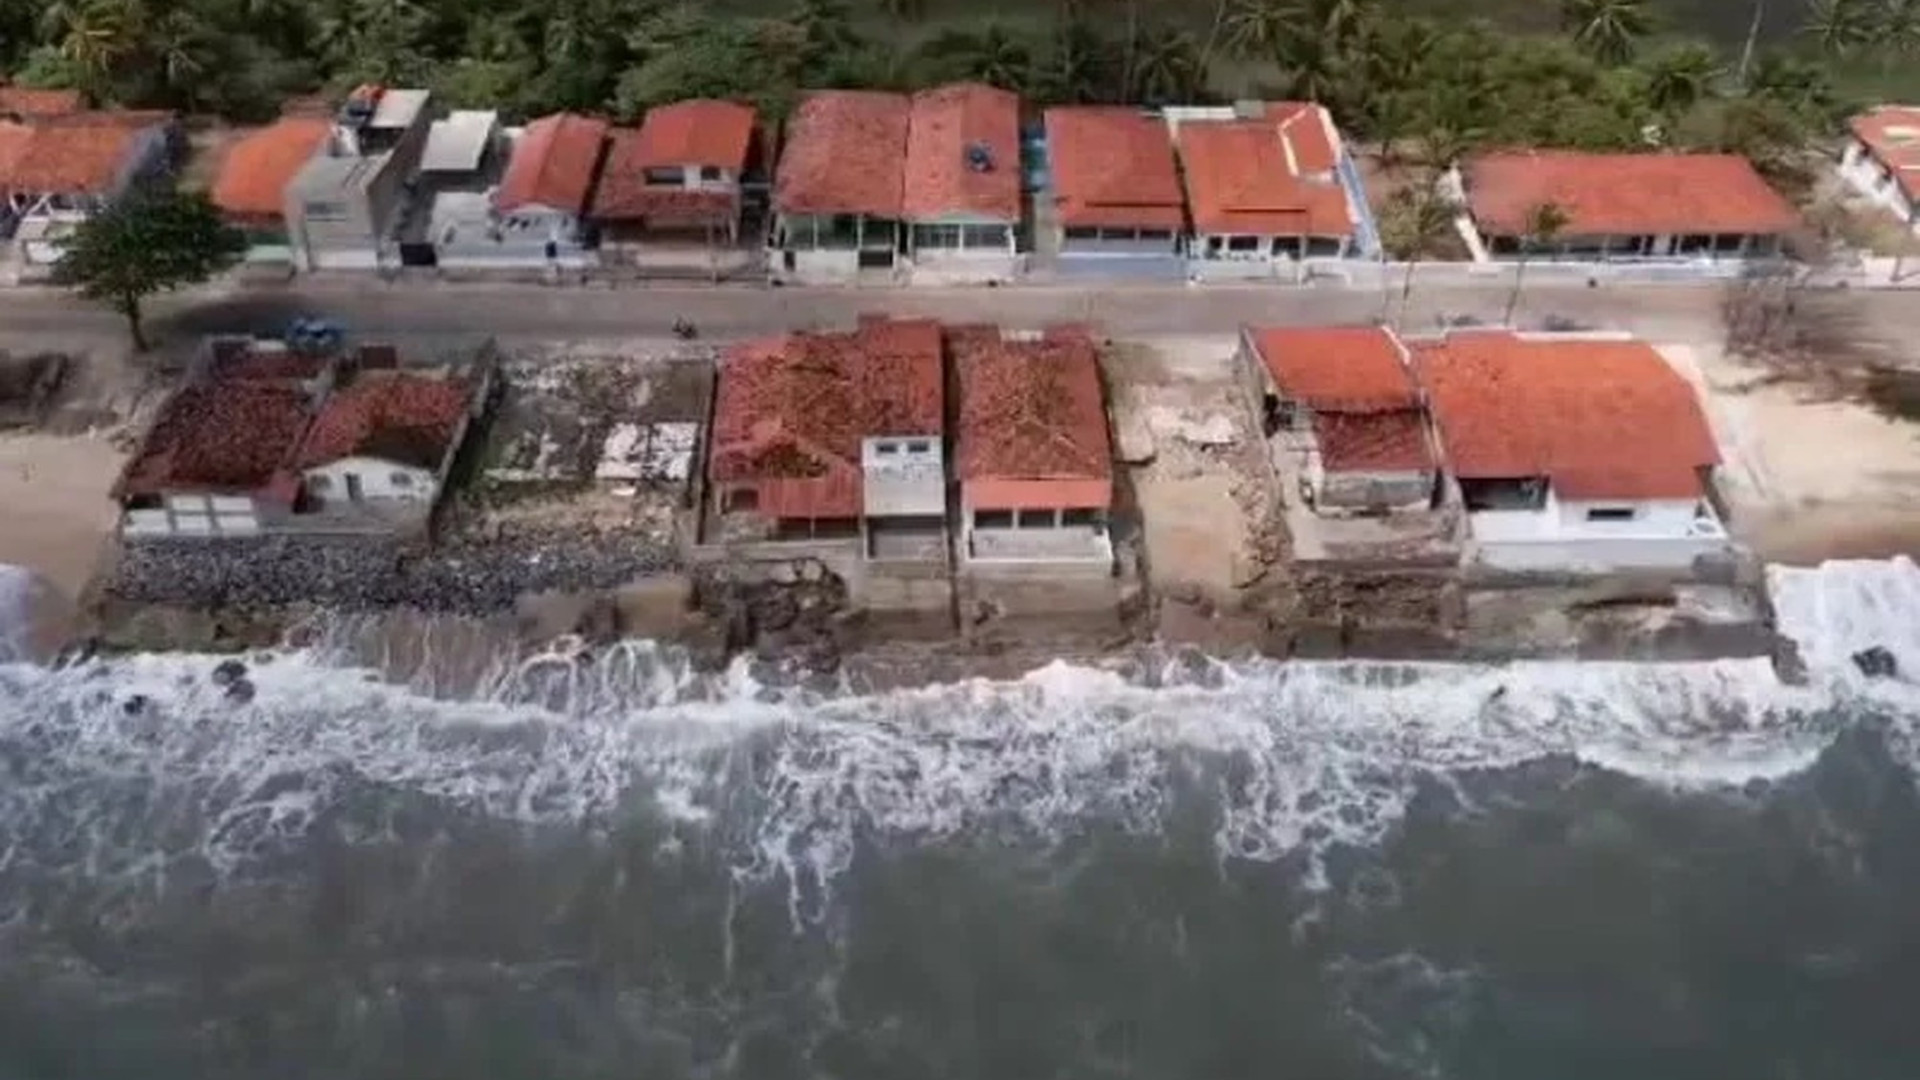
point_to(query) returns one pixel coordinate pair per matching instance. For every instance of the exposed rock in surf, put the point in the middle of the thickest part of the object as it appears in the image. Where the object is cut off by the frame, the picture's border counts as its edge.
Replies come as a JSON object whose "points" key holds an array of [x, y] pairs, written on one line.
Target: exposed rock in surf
{"points": [[1789, 666], [229, 672], [1877, 663], [135, 705], [240, 691]]}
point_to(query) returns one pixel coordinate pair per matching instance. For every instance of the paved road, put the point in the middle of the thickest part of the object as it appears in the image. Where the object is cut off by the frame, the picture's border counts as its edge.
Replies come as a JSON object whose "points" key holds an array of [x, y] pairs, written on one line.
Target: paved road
{"points": [[1664, 312]]}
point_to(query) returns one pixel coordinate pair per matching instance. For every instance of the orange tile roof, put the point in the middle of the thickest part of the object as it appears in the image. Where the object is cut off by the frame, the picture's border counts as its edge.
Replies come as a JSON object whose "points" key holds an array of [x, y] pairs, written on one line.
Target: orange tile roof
{"points": [[1353, 369], [1266, 177], [1892, 134], [256, 170], [791, 413], [1625, 194], [221, 438], [553, 164], [13, 142], [1599, 418], [1113, 167], [944, 124], [844, 155], [1030, 410], [1374, 441], [29, 102], [393, 416], [702, 132], [624, 195], [81, 153]]}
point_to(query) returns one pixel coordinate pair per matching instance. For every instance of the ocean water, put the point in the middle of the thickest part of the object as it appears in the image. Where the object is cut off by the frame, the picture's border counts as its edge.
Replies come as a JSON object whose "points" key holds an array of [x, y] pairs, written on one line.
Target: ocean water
{"points": [[613, 869]]}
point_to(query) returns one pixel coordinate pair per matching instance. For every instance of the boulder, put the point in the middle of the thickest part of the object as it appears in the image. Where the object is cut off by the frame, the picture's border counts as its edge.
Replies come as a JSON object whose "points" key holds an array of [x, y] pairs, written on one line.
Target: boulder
{"points": [[228, 672], [1877, 663]]}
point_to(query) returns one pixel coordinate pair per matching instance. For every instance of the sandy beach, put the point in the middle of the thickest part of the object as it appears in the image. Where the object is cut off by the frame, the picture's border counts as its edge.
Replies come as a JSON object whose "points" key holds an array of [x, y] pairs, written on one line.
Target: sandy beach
{"points": [[58, 515]]}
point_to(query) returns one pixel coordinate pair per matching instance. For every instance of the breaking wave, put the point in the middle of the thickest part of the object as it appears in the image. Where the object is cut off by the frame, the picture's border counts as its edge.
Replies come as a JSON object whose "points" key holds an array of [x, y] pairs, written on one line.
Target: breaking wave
{"points": [[135, 765]]}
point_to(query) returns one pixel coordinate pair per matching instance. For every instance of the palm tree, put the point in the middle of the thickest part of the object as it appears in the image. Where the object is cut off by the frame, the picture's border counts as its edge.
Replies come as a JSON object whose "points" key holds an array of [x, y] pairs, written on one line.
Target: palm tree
{"points": [[1258, 28], [1413, 222], [1681, 78], [99, 35], [1607, 30], [1167, 67], [992, 54], [1543, 225], [1897, 30], [1839, 27]]}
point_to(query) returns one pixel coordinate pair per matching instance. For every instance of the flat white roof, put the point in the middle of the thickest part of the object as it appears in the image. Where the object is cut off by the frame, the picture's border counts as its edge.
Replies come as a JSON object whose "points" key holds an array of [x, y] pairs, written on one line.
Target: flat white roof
{"points": [[398, 108], [458, 143]]}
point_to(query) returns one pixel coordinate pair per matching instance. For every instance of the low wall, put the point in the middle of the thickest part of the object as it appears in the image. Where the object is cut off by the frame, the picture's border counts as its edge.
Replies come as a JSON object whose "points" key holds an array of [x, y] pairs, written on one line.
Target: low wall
{"points": [[1676, 554]]}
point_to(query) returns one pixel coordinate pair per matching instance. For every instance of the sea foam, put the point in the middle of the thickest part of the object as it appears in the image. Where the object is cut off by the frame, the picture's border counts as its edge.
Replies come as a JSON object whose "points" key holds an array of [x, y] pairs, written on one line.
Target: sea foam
{"points": [[121, 767]]}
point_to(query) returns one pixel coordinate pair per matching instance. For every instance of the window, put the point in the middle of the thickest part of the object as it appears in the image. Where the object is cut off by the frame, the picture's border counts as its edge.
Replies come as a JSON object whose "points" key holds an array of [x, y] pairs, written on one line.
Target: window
{"points": [[1243, 243], [742, 500], [1035, 519], [919, 446], [886, 448], [325, 211], [1156, 235], [1083, 234], [710, 172], [1610, 513], [984, 236], [319, 483], [936, 236], [1213, 245], [401, 480], [1080, 519], [993, 519], [666, 177]]}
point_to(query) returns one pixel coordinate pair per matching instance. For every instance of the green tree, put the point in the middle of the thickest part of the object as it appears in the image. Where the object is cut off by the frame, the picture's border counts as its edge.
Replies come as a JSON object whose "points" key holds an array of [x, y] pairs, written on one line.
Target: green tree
{"points": [[1839, 27], [146, 243], [1681, 78], [1607, 30], [1897, 31], [1167, 68], [1412, 224], [994, 54], [1544, 224]]}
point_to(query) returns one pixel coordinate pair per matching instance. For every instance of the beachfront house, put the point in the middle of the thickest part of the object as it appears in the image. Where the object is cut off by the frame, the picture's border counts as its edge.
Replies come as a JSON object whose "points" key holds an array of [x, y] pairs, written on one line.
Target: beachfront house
{"points": [[1572, 452], [251, 186], [58, 170], [1881, 159]]}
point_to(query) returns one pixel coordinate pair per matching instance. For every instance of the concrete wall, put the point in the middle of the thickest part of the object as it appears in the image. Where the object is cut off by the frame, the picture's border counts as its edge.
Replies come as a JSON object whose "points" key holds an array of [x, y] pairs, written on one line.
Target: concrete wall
{"points": [[1162, 266], [1365, 490], [378, 479], [900, 480], [196, 516], [1597, 555], [1864, 174]]}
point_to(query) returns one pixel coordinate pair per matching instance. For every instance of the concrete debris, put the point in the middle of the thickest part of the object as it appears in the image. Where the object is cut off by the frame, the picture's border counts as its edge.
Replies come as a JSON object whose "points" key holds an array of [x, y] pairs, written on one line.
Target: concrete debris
{"points": [[1211, 430]]}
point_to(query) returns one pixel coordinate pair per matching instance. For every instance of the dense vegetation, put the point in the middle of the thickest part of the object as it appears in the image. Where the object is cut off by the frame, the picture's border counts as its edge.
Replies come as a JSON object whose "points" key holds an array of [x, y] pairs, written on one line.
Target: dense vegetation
{"points": [[1613, 75]]}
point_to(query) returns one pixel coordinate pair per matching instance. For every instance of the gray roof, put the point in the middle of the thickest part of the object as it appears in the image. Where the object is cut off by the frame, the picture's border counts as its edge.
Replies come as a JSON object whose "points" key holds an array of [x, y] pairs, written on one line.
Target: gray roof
{"points": [[398, 108], [327, 174], [458, 143]]}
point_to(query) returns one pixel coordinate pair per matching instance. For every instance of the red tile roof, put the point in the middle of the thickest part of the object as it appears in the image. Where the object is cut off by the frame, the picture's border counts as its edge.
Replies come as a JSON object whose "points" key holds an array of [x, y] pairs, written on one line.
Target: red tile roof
{"points": [[81, 153], [553, 164], [1030, 410], [718, 134], [1599, 418], [1113, 167], [257, 168], [1373, 442], [13, 142], [1892, 134], [1625, 194], [222, 438], [1353, 369], [1271, 176], [623, 193], [791, 413], [946, 122], [26, 101], [403, 418], [844, 155]]}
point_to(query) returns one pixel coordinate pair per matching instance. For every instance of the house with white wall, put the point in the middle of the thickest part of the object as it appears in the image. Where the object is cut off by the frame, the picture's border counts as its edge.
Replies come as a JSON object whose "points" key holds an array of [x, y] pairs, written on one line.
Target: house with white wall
{"points": [[536, 216], [56, 171], [345, 204], [1342, 416], [1624, 207], [1881, 159], [384, 441], [961, 191], [1117, 209], [837, 191], [1572, 452], [1265, 188], [676, 179]]}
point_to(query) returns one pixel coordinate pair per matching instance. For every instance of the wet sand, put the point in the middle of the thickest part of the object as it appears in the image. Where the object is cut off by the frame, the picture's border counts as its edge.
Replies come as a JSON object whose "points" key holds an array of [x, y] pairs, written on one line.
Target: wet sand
{"points": [[58, 517]]}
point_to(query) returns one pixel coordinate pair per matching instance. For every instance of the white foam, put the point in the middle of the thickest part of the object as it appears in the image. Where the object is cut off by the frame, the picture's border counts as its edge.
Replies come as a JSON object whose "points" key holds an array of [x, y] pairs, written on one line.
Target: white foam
{"points": [[1301, 755]]}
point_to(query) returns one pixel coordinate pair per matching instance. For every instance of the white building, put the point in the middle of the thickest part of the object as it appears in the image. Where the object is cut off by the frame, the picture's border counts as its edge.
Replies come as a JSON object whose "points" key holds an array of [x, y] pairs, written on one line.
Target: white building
{"points": [[1881, 159], [344, 205], [1573, 453]]}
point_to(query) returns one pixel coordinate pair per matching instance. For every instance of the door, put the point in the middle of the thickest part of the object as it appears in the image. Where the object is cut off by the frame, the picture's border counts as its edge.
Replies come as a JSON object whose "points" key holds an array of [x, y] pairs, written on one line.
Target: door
{"points": [[353, 487]]}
